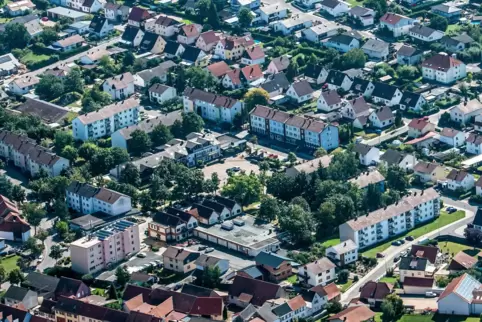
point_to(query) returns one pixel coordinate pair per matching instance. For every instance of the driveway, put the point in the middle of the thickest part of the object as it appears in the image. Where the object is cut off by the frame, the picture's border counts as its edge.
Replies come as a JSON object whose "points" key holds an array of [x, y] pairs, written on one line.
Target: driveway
{"points": [[420, 303], [220, 168]]}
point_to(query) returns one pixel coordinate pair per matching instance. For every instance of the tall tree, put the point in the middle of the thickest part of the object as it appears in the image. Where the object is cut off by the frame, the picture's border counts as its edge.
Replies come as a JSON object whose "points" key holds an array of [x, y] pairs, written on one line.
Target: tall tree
{"points": [[15, 35], [74, 81], [298, 223], [140, 142], [34, 213], [397, 178], [244, 17], [269, 209], [160, 135], [130, 175], [15, 277], [243, 188], [438, 23], [191, 122], [213, 18], [256, 96], [55, 253], [392, 308], [122, 276]]}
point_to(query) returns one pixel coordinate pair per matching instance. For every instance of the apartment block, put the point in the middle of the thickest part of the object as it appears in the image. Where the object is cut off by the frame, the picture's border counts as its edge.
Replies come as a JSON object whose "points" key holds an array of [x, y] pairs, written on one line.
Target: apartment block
{"points": [[106, 121], [172, 225], [392, 220], [213, 107], [24, 153], [87, 199], [105, 247], [293, 129]]}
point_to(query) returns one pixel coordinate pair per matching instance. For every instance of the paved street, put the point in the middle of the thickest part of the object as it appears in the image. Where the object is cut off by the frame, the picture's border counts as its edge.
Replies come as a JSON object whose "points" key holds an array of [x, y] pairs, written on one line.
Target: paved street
{"points": [[386, 136]]}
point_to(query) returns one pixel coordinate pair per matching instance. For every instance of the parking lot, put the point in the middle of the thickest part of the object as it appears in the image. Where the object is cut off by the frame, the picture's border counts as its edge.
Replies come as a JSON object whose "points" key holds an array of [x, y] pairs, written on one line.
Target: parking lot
{"points": [[236, 260], [237, 161]]}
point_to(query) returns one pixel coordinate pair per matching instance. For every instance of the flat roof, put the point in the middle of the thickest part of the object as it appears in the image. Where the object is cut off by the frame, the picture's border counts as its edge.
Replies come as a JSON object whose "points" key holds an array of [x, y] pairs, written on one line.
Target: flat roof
{"points": [[469, 162], [67, 12], [250, 235]]}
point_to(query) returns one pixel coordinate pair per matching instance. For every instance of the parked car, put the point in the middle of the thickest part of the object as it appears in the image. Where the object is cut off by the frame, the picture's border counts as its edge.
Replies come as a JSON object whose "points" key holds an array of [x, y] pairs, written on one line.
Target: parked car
{"points": [[202, 247], [430, 294], [380, 255], [401, 241], [409, 238], [142, 255], [451, 210], [396, 243], [209, 250]]}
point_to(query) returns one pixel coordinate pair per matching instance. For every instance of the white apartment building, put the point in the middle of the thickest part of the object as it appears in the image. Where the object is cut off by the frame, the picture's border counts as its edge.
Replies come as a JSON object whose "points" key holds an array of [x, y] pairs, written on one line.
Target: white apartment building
{"points": [[87, 199], [107, 120], [211, 106], [321, 271], [119, 87], [282, 126], [443, 68], [105, 247], [343, 253], [392, 220], [24, 153]]}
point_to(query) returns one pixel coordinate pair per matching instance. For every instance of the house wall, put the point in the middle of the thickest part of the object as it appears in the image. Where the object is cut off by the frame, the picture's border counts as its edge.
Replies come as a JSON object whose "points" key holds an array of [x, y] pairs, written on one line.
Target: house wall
{"points": [[453, 304]]}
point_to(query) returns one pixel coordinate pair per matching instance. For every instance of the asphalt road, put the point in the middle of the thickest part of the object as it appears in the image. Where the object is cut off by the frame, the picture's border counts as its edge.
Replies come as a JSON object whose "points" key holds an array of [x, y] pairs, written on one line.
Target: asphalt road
{"points": [[391, 252]]}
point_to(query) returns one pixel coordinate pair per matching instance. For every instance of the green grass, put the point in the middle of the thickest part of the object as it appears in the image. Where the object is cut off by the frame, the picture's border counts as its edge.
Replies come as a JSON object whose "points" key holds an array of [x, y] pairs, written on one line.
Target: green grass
{"points": [[391, 280], [454, 248], [293, 279], [330, 242], [99, 291], [9, 263], [355, 3], [186, 21], [34, 58], [453, 27], [443, 220], [344, 287]]}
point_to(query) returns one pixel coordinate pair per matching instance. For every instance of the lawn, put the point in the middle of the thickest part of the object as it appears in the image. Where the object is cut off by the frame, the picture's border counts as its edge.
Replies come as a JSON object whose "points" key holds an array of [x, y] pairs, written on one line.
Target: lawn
{"points": [[33, 58], [454, 248], [443, 220], [292, 279], [355, 3], [391, 280], [9, 263], [330, 242], [344, 287], [454, 27]]}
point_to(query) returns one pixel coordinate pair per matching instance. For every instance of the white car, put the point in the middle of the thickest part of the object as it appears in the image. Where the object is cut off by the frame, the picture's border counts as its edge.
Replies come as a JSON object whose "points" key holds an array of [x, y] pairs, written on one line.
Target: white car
{"points": [[141, 255], [430, 294]]}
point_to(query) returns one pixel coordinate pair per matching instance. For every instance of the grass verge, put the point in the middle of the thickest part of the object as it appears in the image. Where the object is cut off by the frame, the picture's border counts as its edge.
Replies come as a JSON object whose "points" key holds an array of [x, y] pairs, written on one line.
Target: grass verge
{"points": [[9, 263]]}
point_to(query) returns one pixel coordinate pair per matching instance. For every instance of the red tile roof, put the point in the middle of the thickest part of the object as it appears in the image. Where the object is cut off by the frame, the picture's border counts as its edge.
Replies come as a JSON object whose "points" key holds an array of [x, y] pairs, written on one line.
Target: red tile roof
{"points": [[219, 69], [354, 314], [375, 290], [418, 281], [252, 73], [451, 287], [441, 62], [418, 124], [391, 18], [462, 261], [429, 252]]}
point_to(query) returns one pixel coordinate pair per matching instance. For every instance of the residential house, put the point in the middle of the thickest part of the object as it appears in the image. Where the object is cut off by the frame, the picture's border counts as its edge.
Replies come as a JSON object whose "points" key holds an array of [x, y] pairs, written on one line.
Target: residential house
{"points": [[19, 8], [399, 25], [355, 108], [49, 113], [152, 43], [20, 296], [368, 178], [447, 10], [100, 26], [465, 112], [69, 287], [376, 49], [107, 120], [24, 153], [394, 157], [420, 127], [386, 94], [23, 85], [321, 295], [43, 285], [413, 101], [167, 27], [477, 221], [373, 293], [329, 101], [12, 226], [452, 137], [244, 291], [92, 57], [160, 93], [381, 118], [309, 167], [336, 79], [250, 4], [315, 74], [461, 262], [278, 268], [343, 253], [296, 22], [307, 4], [188, 34], [362, 16], [443, 68], [31, 22], [143, 78], [392, 220], [367, 154], [211, 106], [461, 297], [474, 144], [295, 308], [232, 48], [428, 252], [362, 87], [321, 271], [138, 16], [132, 36], [205, 215], [300, 92], [119, 87], [415, 267], [207, 261], [428, 172], [87, 199], [194, 56], [273, 12], [278, 64], [9, 65], [317, 33], [460, 180], [221, 210], [253, 56], [342, 42], [172, 225], [353, 314], [335, 8], [207, 41], [425, 34], [68, 44], [284, 127], [179, 260], [408, 55], [219, 69], [276, 85], [116, 13], [457, 43]]}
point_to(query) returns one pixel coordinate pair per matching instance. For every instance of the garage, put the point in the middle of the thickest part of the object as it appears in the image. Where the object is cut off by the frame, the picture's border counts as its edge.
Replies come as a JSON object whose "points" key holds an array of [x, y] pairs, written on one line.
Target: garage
{"points": [[417, 285]]}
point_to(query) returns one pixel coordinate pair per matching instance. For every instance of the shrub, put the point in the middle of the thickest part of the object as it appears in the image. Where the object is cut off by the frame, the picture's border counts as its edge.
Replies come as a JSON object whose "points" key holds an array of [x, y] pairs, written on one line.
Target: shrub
{"points": [[87, 279]]}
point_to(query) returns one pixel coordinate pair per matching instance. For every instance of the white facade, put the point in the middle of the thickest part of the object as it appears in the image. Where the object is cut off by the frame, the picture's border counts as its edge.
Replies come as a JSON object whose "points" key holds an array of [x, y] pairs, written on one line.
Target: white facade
{"points": [[435, 35], [466, 111], [314, 276], [445, 76], [372, 157], [119, 91], [323, 105], [454, 141], [401, 27], [376, 122], [165, 96], [291, 92], [344, 253], [339, 10], [467, 183]]}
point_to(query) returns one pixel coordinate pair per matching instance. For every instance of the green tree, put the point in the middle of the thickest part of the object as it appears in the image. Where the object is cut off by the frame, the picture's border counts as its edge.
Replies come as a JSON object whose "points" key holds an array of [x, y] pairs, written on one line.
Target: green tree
{"points": [[200, 78], [158, 190], [355, 58], [398, 119], [18, 194], [69, 152], [129, 59], [34, 213], [191, 122], [320, 152], [397, 178], [48, 36], [380, 6], [203, 8], [112, 292], [62, 228], [55, 253], [438, 23], [42, 235], [213, 17], [63, 139], [130, 175], [292, 158], [2, 274], [256, 96], [15, 277], [392, 308], [160, 135], [49, 87], [298, 223], [269, 209], [292, 70], [74, 82], [180, 83], [122, 276], [244, 188], [140, 142], [244, 17], [373, 197], [87, 150], [407, 73], [15, 35], [343, 276], [61, 210], [34, 247]]}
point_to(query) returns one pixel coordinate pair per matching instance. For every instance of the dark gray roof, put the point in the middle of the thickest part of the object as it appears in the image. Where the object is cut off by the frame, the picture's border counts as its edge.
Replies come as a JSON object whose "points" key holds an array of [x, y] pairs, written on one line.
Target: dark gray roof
{"points": [[410, 99], [330, 3], [158, 71], [376, 45], [360, 106], [282, 309], [360, 11], [82, 189], [270, 259], [464, 38], [252, 271], [213, 205], [228, 203], [408, 51], [478, 217], [47, 112], [16, 293], [302, 88], [421, 30], [362, 149], [279, 81], [384, 90], [342, 39], [313, 71], [98, 22], [359, 85], [41, 283], [203, 211], [413, 263], [191, 54], [335, 77], [331, 97], [171, 47], [392, 157], [148, 41], [130, 33]]}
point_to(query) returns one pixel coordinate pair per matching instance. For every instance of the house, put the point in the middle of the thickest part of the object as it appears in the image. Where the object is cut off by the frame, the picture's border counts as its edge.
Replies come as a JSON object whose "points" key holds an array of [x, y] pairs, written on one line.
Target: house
{"points": [[68, 287], [342, 42], [277, 267], [362, 16], [367, 154], [100, 26], [173, 49], [386, 94], [457, 43], [461, 262], [296, 22], [232, 48], [336, 79], [236, 5], [418, 285], [23, 85], [24, 153], [132, 36], [276, 85], [415, 267], [43, 285], [315, 74], [116, 13], [321, 295], [152, 43], [368, 178], [447, 10], [420, 127], [343, 253], [321, 271], [425, 34], [397, 24], [119, 87], [207, 41], [452, 137], [459, 179], [220, 209], [335, 8], [376, 49], [204, 261], [211, 106], [477, 222], [68, 44], [474, 144], [443, 68], [307, 4], [329, 101], [381, 118], [19, 8], [179, 260], [355, 108], [205, 215], [143, 78], [412, 101], [9, 65], [309, 167], [61, 12], [396, 158], [172, 225], [92, 6], [49, 113], [188, 34], [278, 64], [465, 112], [194, 56], [373, 293], [273, 12], [428, 252], [160, 93], [138, 16], [461, 297], [78, 28], [300, 92], [87, 199], [167, 27], [428, 172], [353, 314], [12, 227], [408, 55], [232, 79], [318, 32], [107, 120], [219, 69], [362, 87], [253, 56], [244, 291], [92, 57]]}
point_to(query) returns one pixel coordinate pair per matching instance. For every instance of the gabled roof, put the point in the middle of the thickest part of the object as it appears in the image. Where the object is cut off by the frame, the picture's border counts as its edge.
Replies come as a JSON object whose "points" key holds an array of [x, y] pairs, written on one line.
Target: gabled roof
{"points": [[191, 54], [342, 39], [474, 139], [254, 53], [419, 124], [219, 69], [319, 266], [463, 286], [449, 132], [478, 215], [358, 11], [330, 3], [217, 100], [302, 88], [270, 259], [46, 111], [425, 167], [139, 14], [392, 18], [313, 71], [410, 99], [376, 45], [180, 254], [362, 149], [159, 88], [335, 77], [228, 203], [166, 21], [385, 113], [418, 282], [422, 30], [428, 252], [331, 97], [252, 72], [279, 81], [330, 291], [17, 293], [41, 283], [281, 62], [148, 41], [68, 287], [408, 51], [354, 314], [375, 290], [462, 261], [359, 85], [384, 90], [209, 37], [97, 23], [441, 62], [457, 175], [365, 179], [172, 47], [392, 157], [259, 291], [413, 263]]}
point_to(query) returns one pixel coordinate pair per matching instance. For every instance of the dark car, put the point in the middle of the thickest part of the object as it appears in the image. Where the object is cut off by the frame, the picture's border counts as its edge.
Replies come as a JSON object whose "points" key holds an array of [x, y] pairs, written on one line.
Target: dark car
{"points": [[401, 241], [451, 210], [380, 255], [396, 243], [409, 238]]}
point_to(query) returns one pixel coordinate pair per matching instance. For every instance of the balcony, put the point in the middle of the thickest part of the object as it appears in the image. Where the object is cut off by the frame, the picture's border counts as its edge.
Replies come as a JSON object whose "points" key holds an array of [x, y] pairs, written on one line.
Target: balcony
{"points": [[379, 237]]}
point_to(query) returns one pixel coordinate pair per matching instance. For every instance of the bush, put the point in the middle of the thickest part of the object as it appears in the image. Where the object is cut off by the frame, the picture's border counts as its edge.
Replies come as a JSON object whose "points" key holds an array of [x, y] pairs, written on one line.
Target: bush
{"points": [[343, 276], [155, 248], [355, 279], [87, 279]]}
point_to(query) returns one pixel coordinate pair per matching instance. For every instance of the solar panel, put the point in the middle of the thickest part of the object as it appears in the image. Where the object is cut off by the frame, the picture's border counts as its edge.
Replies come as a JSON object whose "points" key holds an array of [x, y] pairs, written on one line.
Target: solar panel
{"points": [[467, 286], [5, 59]]}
